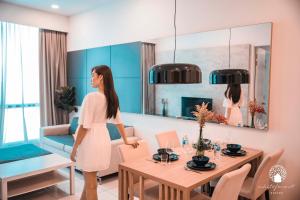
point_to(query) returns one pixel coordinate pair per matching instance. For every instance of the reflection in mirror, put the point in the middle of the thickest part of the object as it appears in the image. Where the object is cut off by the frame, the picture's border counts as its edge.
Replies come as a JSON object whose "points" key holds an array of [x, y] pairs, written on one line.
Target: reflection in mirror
{"points": [[249, 50]]}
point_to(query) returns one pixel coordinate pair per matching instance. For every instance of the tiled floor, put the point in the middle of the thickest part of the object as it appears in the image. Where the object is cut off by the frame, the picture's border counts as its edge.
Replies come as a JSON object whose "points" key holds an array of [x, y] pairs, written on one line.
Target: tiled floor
{"points": [[108, 190]]}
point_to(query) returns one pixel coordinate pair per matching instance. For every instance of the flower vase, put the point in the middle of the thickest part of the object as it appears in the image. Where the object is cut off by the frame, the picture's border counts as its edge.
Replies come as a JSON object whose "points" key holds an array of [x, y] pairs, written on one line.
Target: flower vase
{"points": [[200, 145], [252, 121]]}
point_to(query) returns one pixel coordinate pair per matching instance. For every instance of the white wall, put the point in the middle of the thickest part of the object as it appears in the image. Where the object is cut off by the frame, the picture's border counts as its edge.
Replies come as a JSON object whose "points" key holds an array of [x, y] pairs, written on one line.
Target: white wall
{"points": [[32, 17], [144, 19]]}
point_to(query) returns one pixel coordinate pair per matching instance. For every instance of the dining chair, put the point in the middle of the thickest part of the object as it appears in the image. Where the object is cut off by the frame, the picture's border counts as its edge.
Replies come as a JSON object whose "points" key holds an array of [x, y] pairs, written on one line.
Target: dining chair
{"points": [[229, 185], [168, 139], [258, 185], [129, 154]]}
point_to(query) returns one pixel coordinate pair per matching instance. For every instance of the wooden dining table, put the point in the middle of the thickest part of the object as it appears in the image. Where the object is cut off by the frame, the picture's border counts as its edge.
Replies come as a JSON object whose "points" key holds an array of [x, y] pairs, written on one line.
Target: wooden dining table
{"points": [[175, 181]]}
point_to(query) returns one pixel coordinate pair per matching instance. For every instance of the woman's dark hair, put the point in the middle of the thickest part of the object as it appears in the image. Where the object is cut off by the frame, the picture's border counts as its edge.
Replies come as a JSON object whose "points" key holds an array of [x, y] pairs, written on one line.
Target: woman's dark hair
{"points": [[109, 90], [233, 92]]}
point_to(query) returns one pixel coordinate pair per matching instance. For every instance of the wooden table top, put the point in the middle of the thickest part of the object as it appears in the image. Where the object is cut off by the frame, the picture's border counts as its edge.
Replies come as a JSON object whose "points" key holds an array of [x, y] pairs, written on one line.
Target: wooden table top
{"points": [[175, 175]]}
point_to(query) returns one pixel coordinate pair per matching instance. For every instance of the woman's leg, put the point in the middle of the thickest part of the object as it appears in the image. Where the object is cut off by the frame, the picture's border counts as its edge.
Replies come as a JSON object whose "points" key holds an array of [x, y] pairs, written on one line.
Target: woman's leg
{"points": [[83, 194], [90, 179]]}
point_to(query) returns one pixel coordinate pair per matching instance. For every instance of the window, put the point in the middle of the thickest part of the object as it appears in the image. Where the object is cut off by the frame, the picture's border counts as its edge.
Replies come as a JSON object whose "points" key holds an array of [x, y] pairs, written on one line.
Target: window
{"points": [[20, 58]]}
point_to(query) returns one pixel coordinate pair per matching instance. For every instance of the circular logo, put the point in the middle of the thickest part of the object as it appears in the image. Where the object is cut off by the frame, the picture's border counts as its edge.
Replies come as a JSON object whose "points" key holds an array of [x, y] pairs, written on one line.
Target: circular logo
{"points": [[277, 174]]}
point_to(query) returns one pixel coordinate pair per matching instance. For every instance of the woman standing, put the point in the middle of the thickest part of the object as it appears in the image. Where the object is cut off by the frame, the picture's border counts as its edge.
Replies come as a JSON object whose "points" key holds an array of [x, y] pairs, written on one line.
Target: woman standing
{"points": [[233, 102], [92, 147]]}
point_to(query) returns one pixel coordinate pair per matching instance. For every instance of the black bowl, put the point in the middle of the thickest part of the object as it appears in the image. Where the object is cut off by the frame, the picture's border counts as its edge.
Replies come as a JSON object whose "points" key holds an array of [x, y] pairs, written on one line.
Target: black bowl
{"points": [[200, 160], [163, 150], [234, 147]]}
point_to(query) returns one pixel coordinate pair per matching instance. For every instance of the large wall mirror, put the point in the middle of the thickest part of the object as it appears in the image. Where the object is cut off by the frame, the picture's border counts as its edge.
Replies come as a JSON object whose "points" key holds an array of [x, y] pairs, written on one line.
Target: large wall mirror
{"points": [[245, 47]]}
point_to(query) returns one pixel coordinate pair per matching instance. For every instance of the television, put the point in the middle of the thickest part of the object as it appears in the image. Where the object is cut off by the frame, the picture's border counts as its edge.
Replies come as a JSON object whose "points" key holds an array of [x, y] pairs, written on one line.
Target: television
{"points": [[188, 106]]}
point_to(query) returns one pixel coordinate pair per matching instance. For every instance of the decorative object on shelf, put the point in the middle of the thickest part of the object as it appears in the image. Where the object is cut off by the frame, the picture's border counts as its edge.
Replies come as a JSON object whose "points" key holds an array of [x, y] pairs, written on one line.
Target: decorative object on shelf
{"points": [[203, 115], [165, 105], [255, 108], [65, 99], [229, 76], [175, 73]]}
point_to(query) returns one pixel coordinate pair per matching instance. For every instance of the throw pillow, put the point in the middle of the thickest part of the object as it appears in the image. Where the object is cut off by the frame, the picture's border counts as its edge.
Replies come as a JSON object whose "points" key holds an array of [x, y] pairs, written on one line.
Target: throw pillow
{"points": [[113, 131], [73, 126]]}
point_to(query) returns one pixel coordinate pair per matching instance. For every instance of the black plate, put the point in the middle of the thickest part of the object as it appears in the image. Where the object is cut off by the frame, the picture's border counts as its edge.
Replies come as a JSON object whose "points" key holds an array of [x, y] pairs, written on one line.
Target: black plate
{"points": [[173, 157], [238, 153], [208, 166]]}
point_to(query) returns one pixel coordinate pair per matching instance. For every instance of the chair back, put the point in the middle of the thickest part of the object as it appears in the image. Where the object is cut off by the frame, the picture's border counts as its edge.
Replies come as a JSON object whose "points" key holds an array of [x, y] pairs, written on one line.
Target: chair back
{"points": [[168, 139], [261, 178], [128, 153], [230, 184]]}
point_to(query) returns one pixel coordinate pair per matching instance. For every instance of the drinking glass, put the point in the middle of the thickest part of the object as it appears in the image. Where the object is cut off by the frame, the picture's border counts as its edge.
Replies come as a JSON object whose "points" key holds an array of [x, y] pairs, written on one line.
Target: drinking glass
{"points": [[164, 158]]}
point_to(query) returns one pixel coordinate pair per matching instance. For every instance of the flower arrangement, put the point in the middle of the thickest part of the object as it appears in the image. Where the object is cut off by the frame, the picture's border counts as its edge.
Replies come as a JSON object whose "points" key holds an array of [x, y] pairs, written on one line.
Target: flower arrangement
{"points": [[203, 115], [255, 108], [219, 118]]}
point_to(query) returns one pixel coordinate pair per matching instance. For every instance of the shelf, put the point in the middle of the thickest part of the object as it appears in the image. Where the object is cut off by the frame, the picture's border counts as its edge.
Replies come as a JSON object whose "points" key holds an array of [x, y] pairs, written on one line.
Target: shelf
{"points": [[33, 183]]}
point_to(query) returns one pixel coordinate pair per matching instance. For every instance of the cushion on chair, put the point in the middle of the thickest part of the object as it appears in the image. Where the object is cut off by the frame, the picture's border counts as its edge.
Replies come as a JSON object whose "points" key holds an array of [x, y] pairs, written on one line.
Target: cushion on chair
{"points": [[21, 152], [74, 125], [62, 139]]}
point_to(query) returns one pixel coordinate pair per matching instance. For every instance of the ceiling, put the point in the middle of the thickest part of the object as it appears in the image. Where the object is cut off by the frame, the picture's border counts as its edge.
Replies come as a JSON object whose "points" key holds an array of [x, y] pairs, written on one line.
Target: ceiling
{"points": [[67, 7]]}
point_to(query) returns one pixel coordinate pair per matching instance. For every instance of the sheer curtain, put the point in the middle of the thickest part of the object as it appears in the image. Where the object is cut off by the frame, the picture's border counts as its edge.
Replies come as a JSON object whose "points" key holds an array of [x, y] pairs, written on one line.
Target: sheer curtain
{"points": [[20, 118]]}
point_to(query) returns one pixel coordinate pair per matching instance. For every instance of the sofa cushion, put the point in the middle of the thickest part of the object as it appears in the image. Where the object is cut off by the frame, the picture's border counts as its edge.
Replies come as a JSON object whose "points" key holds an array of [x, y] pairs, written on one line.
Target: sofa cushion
{"points": [[62, 139], [74, 125], [113, 131], [21, 152]]}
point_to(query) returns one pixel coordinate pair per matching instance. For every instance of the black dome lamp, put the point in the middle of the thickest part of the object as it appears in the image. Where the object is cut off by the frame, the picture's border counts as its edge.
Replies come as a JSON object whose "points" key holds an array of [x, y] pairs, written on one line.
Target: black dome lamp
{"points": [[175, 73], [229, 76]]}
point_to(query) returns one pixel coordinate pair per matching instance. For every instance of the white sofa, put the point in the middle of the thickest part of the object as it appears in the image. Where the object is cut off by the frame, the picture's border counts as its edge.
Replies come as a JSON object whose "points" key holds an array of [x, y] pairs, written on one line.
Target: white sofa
{"points": [[57, 139]]}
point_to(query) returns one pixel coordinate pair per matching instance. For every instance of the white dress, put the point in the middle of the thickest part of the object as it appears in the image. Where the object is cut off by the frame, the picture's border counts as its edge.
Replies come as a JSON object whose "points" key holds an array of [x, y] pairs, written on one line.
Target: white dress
{"points": [[236, 117], [94, 152]]}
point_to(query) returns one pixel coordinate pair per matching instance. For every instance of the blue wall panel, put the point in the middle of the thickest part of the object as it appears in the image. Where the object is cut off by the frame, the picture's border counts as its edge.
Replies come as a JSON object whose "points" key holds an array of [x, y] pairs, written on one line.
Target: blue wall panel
{"points": [[96, 56], [130, 94], [126, 60], [76, 64], [80, 89]]}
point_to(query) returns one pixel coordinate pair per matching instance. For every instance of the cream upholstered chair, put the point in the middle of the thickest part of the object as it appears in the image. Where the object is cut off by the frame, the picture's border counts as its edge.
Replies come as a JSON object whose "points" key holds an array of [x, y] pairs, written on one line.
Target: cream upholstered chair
{"points": [[128, 153], [256, 186], [229, 185], [168, 139]]}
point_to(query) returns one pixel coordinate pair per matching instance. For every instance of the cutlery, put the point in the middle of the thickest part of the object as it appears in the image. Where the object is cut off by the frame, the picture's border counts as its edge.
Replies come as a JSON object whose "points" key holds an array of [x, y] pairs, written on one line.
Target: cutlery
{"points": [[154, 161], [188, 169]]}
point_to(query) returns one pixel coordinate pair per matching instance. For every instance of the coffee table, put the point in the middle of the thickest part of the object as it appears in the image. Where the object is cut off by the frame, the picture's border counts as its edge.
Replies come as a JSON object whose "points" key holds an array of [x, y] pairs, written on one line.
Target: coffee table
{"points": [[23, 176]]}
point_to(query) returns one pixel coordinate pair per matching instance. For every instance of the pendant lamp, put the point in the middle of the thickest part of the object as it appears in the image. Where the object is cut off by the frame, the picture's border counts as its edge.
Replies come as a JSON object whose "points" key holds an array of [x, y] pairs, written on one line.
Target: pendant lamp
{"points": [[229, 76], [175, 73]]}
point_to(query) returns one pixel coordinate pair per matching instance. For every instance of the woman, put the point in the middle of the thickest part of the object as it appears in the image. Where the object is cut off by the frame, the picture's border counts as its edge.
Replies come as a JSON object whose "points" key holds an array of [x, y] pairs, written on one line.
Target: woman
{"points": [[92, 146], [232, 102]]}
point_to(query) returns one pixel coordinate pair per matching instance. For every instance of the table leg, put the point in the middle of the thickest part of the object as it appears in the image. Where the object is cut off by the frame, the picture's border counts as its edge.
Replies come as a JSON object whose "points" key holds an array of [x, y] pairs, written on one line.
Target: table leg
{"points": [[3, 190], [141, 182], [72, 179], [131, 191], [120, 174], [125, 185]]}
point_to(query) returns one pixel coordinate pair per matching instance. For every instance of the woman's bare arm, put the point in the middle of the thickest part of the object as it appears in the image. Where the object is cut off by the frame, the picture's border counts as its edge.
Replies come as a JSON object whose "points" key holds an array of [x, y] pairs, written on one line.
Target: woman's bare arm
{"points": [[81, 132], [123, 134]]}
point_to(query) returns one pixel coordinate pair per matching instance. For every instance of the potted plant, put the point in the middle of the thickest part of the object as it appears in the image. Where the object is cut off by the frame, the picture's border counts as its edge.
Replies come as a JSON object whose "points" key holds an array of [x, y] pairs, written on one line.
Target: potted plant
{"points": [[65, 99], [203, 115]]}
